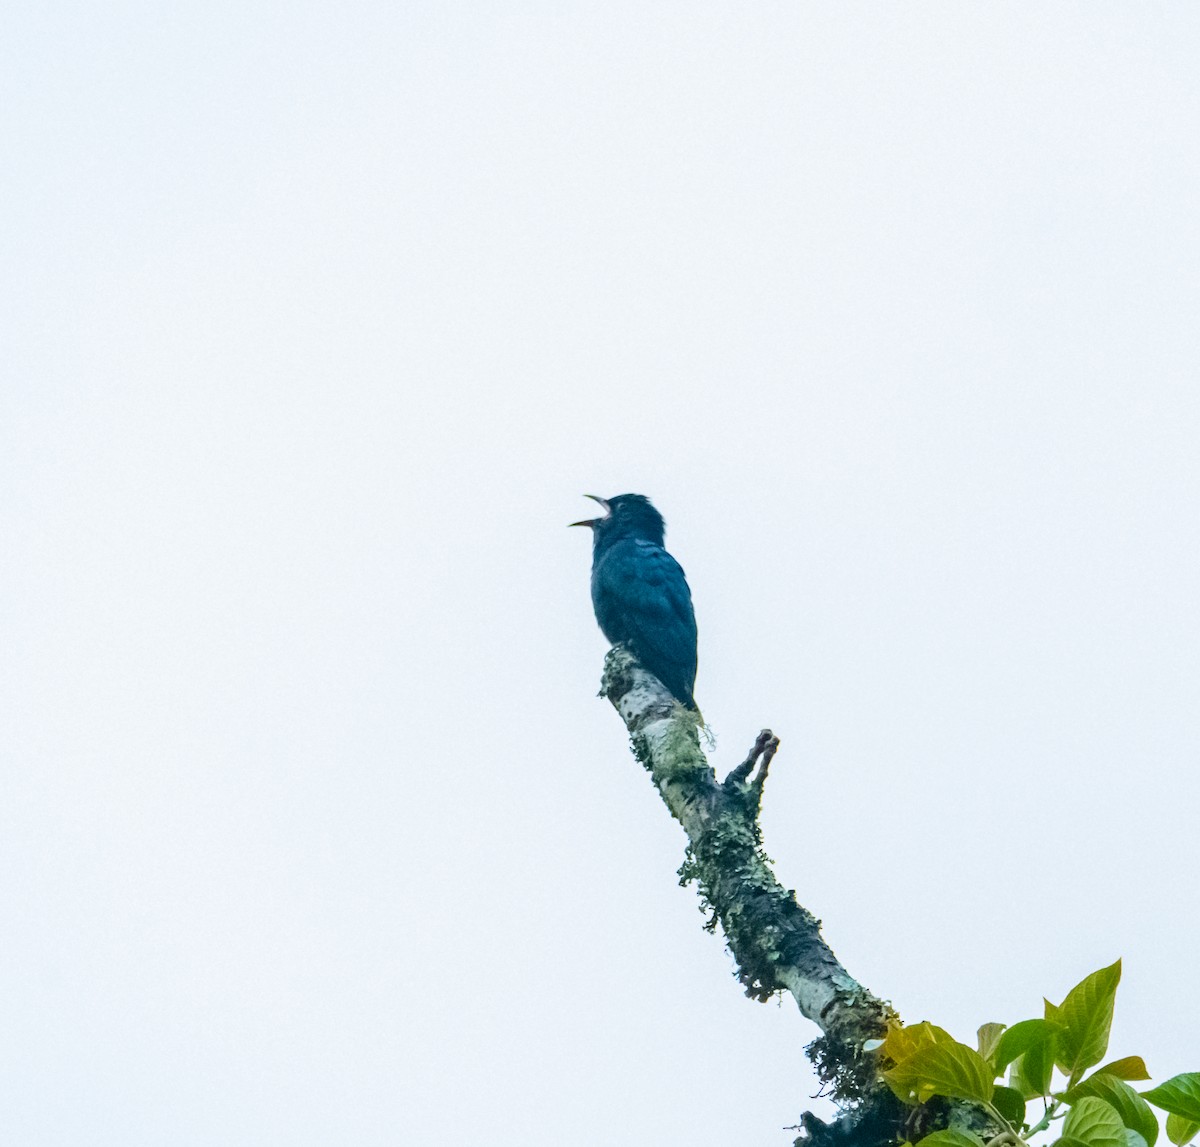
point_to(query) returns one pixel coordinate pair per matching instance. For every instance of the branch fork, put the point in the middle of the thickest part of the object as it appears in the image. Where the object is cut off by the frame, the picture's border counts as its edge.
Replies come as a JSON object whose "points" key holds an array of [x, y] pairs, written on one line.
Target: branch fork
{"points": [[741, 782], [777, 944]]}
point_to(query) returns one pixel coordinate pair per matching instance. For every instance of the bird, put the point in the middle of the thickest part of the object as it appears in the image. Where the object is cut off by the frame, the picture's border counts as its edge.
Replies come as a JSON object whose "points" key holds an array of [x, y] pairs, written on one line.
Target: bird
{"points": [[640, 593]]}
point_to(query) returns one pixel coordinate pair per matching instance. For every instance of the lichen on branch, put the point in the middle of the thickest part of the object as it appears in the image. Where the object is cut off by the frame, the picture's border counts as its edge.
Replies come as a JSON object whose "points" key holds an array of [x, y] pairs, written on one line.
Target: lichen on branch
{"points": [[776, 943]]}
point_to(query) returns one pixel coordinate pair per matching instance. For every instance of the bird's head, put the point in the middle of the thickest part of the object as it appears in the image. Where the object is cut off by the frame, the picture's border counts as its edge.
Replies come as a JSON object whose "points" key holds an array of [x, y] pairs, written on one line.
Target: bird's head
{"points": [[625, 516]]}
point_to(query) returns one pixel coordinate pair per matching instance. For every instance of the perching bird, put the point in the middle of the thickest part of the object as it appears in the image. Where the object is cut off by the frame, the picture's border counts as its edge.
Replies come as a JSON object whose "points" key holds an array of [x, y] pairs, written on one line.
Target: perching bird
{"points": [[640, 595]]}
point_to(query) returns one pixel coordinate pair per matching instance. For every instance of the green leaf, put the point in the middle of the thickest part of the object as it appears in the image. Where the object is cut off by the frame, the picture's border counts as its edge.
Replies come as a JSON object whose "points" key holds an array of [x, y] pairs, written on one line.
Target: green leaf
{"points": [[1131, 1067], [1034, 1069], [955, 1071], [1094, 1122], [1010, 1103], [903, 1043], [988, 1037], [928, 1061], [1018, 1039], [952, 1137], [1133, 1139], [1180, 1130], [1086, 1017], [1180, 1095], [1134, 1111]]}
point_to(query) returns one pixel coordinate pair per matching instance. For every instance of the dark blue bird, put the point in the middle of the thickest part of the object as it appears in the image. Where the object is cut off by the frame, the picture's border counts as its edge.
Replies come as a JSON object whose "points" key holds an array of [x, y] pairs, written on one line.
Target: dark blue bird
{"points": [[641, 597]]}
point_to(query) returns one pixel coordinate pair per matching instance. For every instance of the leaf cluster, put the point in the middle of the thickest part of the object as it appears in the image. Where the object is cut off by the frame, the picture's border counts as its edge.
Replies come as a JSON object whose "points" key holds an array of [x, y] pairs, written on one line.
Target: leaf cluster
{"points": [[1096, 1108]]}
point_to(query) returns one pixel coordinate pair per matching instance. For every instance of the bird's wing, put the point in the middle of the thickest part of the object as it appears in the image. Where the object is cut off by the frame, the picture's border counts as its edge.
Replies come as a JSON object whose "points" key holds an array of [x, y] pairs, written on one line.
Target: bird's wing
{"points": [[663, 583]]}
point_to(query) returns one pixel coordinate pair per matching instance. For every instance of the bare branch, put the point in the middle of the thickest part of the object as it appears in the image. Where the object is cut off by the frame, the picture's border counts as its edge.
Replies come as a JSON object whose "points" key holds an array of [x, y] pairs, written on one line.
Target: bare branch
{"points": [[777, 944]]}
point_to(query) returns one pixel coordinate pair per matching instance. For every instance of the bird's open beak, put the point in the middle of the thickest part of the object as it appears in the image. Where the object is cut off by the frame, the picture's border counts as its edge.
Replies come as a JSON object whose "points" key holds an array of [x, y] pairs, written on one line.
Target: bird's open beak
{"points": [[592, 521]]}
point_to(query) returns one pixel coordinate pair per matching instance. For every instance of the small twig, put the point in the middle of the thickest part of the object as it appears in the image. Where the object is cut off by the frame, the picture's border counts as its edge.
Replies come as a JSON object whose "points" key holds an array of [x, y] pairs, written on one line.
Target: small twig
{"points": [[1048, 1117], [764, 749], [768, 755], [776, 943], [1006, 1136]]}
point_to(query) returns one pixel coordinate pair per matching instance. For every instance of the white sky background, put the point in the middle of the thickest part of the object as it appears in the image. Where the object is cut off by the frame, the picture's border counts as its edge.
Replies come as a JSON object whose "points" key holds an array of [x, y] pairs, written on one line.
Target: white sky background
{"points": [[318, 323]]}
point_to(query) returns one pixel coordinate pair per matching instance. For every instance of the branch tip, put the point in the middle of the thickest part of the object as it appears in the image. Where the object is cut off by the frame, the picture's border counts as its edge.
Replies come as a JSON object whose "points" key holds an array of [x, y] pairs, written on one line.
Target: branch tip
{"points": [[760, 755], [768, 754]]}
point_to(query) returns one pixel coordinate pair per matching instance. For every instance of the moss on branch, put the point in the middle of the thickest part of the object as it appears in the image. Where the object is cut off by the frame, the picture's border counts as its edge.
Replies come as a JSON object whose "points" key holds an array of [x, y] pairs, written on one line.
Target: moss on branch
{"points": [[775, 942]]}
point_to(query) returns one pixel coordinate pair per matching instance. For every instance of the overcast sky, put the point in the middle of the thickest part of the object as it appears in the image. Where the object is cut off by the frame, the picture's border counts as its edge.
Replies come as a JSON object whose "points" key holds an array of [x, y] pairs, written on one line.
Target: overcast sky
{"points": [[319, 320]]}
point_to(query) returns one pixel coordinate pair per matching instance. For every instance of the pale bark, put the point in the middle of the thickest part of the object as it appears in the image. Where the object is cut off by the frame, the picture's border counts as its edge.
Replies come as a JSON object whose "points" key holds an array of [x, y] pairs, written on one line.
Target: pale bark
{"points": [[776, 943]]}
